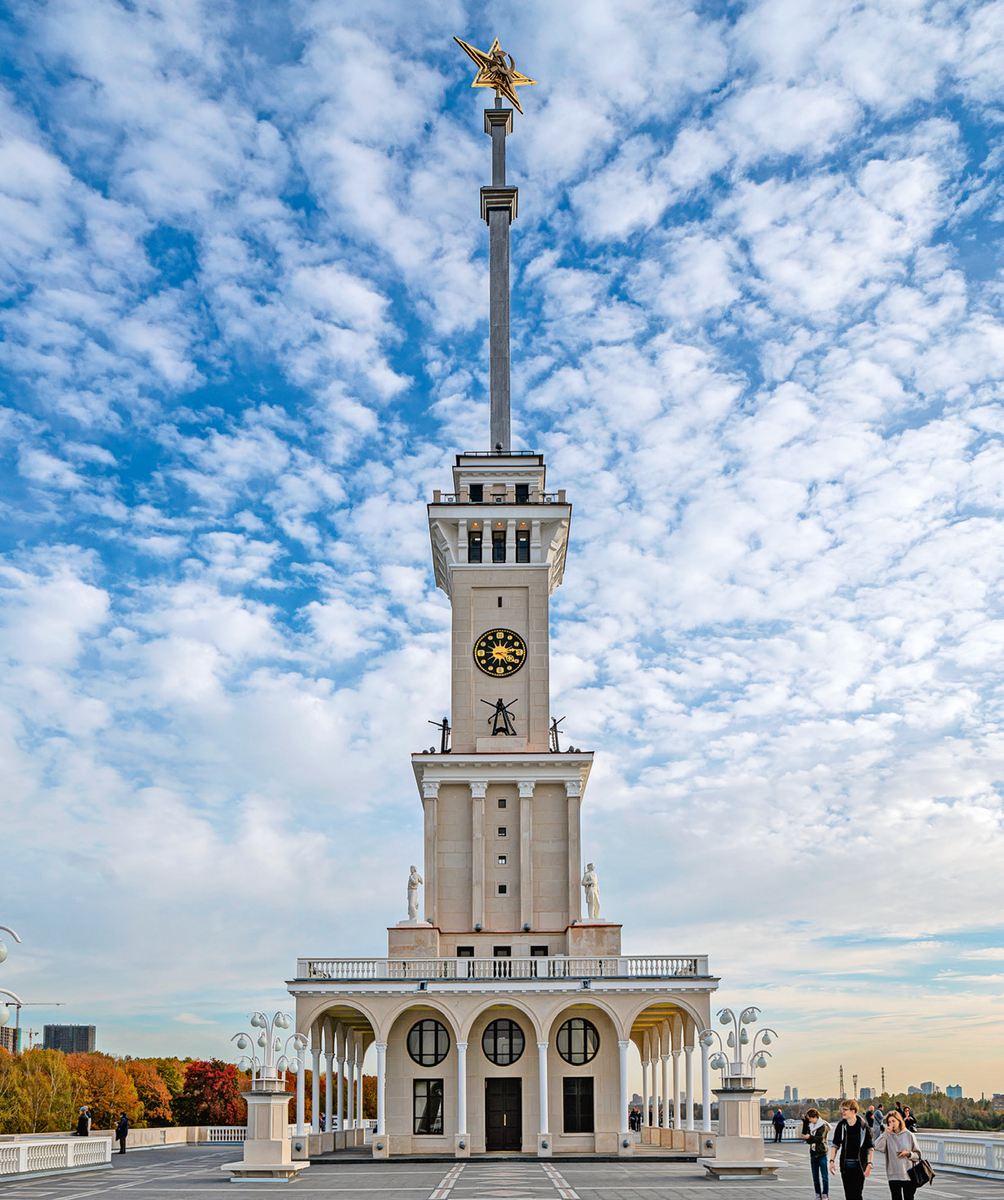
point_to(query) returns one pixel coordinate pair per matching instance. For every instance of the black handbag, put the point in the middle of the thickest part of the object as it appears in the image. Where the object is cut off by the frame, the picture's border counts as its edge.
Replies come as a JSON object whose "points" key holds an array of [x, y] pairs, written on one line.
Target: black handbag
{"points": [[921, 1173]]}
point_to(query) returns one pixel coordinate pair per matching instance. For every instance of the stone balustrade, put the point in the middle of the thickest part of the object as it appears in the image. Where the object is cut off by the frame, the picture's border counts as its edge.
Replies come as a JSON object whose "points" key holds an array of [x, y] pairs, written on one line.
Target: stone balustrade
{"points": [[467, 969]]}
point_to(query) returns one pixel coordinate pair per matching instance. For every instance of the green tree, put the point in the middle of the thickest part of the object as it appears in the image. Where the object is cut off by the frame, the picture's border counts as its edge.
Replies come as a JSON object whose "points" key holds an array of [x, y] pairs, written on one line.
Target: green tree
{"points": [[212, 1095], [53, 1095], [172, 1071], [13, 1100]]}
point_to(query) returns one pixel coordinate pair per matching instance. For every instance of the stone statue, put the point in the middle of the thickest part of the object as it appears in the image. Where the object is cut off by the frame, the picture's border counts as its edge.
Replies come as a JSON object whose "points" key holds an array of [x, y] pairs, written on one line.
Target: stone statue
{"points": [[414, 879], [592, 886]]}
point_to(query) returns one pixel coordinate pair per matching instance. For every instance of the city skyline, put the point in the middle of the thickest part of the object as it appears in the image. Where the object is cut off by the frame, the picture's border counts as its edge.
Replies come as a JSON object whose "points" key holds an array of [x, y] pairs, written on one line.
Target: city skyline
{"points": [[757, 334]]}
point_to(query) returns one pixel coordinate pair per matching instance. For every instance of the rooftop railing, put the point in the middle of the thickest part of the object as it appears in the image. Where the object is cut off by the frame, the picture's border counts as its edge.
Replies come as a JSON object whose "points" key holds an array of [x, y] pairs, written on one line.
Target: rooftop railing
{"points": [[468, 969], [454, 498]]}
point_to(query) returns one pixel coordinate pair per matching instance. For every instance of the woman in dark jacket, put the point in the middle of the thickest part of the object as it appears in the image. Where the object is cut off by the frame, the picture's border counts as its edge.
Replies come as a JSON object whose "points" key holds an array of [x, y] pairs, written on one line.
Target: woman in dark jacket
{"points": [[84, 1122], [815, 1131], [778, 1125], [909, 1120]]}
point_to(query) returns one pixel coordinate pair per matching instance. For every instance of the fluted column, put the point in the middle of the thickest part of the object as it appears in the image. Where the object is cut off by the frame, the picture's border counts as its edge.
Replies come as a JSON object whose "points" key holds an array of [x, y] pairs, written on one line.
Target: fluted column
{"points": [[542, 1083], [623, 1048], [461, 1088], [381, 1082]]}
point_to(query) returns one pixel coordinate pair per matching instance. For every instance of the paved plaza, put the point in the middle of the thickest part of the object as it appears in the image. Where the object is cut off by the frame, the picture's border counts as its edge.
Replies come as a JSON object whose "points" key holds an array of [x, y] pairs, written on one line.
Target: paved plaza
{"points": [[195, 1172]]}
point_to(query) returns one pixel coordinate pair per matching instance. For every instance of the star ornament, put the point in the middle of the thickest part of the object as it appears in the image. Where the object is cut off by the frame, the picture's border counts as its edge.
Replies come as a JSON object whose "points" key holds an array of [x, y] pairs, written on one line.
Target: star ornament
{"points": [[496, 69]]}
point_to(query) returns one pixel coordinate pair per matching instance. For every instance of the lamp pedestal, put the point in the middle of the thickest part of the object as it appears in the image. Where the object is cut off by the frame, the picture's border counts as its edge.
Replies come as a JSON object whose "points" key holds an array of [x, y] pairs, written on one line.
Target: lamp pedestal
{"points": [[267, 1152], [739, 1152]]}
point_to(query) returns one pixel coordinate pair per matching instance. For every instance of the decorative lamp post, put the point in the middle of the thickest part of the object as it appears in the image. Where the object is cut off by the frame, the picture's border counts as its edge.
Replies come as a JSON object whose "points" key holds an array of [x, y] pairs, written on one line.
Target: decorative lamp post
{"points": [[738, 1148], [267, 1150], [5, 1008]]}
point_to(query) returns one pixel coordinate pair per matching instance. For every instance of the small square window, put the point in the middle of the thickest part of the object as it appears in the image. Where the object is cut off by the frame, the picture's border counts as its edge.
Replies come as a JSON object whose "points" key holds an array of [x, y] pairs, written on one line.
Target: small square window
{"points": [[538, 952], [502, 802], [465, 952], [500, 601], [502, 831], [502, 951], [501, 860], [503, 889], [476, 493]]}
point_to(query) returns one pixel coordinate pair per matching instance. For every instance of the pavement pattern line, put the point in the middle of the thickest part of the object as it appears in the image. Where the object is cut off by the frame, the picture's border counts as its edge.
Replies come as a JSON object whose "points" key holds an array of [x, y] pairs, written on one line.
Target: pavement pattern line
{"points": [[446, 1185], [564, 1188]]}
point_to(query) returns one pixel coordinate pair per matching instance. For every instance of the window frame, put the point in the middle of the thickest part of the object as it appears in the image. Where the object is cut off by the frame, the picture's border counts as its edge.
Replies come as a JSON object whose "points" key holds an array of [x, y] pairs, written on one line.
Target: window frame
{"points": [[491, 1033], [576, 1091], [522, 545], [569, 1056], [434, 1057], [475, 541], [427, 1085], [498, 545]]}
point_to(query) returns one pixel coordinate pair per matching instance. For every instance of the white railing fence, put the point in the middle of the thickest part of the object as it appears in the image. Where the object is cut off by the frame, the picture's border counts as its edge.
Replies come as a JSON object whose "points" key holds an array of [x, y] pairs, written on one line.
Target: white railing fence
{"points": [[219, 1135], [58, 1153], [556, 967]]}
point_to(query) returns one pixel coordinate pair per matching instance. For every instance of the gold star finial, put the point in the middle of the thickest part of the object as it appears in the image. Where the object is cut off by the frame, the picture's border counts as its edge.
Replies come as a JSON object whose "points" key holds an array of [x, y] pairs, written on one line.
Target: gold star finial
{"points": [[497, 70]]}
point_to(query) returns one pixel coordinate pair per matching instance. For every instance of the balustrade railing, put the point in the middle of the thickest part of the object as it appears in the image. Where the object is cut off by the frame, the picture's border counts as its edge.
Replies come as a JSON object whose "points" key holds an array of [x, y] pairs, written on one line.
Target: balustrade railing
{"points": [[455, 498], [464, 969], [53, 1153]]}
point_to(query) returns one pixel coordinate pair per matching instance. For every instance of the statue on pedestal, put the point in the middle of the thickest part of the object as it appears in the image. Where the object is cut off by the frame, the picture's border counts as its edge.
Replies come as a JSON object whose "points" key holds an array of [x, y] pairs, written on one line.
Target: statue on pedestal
{"points": [[414, 879], [592, 888]]}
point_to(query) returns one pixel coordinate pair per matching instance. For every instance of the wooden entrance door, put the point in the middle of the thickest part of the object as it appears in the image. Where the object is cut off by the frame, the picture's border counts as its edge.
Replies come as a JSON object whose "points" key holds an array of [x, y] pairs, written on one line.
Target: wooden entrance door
{"points": [[503, 1114]]}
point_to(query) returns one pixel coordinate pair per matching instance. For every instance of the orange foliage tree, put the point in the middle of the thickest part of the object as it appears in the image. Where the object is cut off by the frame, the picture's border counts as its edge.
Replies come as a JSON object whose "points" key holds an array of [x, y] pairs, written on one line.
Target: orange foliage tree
{"points": [[212, 1095], [152, 1091], [108, 1089]]}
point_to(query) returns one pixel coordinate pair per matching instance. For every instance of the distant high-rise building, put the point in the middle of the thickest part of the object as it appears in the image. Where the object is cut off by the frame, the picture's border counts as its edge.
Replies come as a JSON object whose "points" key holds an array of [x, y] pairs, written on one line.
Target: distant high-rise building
{"points": [[10, 1038], [787, 1093], [998, 1102], [954, 1091], [912, 1091], [866, 1094], [929, 1088], [71, 1039], [794, 1095]]}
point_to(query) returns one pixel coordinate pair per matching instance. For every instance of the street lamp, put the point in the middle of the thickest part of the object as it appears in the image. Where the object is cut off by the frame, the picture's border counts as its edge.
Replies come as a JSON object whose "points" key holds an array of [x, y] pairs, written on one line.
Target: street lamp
{"points": [[735, 1071], [4, 1008], [274, 1059]]}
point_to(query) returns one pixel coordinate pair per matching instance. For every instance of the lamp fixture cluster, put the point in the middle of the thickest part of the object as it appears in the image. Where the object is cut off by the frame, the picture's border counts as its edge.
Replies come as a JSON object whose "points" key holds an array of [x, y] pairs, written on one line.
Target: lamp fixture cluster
{"points": [[5, 1008], [275, 1058], [739, 1069]]}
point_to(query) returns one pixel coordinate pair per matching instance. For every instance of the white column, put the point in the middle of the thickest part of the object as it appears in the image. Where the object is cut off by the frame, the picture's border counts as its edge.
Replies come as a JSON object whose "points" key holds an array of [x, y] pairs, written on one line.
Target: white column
{"points": [[381, 1082], [623, 1048], [542, 1083], [689, 1052], [301, 1084], [340, 1093], [359, 1083], [706, 1090], [315, 1091], [644, 1091], [328, 1099], [677, 1123], [461, 1088], [665, 1091]]}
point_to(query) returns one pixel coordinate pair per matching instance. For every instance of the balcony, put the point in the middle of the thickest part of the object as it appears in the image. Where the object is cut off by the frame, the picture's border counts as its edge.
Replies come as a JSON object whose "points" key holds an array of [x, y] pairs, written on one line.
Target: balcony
{"points": [[464, 970], [538, 498]]}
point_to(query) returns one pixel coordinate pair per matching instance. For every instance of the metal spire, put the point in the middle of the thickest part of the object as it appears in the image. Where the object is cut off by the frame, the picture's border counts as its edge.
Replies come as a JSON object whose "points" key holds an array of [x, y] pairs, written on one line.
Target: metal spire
{"points": [[498, 207]]}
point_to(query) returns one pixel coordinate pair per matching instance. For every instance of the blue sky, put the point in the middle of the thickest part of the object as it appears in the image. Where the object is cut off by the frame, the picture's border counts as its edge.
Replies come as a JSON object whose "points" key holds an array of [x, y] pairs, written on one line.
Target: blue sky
{"points": [[757, 332]]}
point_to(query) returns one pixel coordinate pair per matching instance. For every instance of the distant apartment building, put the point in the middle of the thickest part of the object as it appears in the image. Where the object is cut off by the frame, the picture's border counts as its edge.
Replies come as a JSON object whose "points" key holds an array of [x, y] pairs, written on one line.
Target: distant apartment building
{"points": [[866, 1094], [794, 1095], [929, 1088], [71, 1039], [787, 1093], [913, 1091], [998, 1102], [10, 1038], [954, 1091]]}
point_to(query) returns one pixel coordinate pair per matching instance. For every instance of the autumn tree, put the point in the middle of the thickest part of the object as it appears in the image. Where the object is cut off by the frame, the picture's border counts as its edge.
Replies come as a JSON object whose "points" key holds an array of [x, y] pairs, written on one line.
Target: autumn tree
{"points": [[108, 1089], [52, 1095], [152, 1091], [212, 1095], [172, 1072], [13, 1101]]}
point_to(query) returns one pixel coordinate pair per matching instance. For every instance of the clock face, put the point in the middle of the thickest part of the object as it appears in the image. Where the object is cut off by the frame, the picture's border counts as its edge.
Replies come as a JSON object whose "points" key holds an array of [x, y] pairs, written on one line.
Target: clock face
{"points": [[500, 652]]}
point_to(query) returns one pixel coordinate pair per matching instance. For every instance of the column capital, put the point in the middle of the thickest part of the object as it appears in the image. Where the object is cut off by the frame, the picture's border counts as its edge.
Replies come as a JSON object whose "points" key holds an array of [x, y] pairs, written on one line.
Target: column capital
{"points": [[624, 1045], [542, 1045], [498, 116], [478, 788], [461, 1045], [573, 787], [380, 1045], [499, 199], [664, 1057], [430, 789], [525, 788], [677, 1053]]}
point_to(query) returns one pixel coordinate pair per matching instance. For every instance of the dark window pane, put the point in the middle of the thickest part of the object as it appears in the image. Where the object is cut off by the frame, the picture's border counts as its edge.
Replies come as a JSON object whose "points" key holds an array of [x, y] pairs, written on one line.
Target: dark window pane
{"points": [[503, 1042], [465, 952], [522, 545], [428, 1043], [578, 1041], [428, 1105], [476, 492], [578, 1105], [538, 952], [474, 547], [498, 545], [522, 493]]}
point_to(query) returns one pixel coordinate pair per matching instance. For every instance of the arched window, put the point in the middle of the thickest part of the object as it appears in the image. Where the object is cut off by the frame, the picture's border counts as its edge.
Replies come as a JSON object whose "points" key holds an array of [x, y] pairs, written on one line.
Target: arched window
{"points": [[428, 1042], [578, 1041], [503, 1042]]}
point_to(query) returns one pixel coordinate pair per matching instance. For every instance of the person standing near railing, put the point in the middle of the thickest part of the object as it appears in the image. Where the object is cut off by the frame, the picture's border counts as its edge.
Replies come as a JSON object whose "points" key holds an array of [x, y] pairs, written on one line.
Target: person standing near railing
{"points": [[901, 1151], [815, 1131], [778, 1120]]}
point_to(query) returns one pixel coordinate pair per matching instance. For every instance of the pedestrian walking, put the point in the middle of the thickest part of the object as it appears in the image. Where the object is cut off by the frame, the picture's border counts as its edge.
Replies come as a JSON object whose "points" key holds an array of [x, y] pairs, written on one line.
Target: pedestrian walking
{"points": [[852, 1139], [84, 1122], [122, 1132], [909, 1120], [815, 1131], [778, 1120], [878, 1122], [900, 1149]]}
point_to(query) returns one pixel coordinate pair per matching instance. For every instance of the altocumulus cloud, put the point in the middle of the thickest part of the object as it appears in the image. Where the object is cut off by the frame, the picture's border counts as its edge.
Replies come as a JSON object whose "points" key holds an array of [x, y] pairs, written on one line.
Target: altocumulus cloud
{"points": [[757, 332]]}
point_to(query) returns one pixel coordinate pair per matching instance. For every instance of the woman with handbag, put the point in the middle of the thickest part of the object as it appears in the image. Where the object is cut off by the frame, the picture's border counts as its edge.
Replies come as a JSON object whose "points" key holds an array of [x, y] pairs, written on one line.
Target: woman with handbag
{"points": [[901, 1152]]}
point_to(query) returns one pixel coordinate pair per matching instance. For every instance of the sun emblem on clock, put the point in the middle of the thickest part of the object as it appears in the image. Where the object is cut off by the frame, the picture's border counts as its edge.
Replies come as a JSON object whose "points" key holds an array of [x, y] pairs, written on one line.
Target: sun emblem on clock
{"points": [[499, 652]]}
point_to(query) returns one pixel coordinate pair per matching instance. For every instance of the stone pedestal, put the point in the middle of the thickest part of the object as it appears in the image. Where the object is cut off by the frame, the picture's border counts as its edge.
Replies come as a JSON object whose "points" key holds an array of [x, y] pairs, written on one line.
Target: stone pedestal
{"points": [[461, 1145], [625, 1144], [267, 1151], [739, 1152], [381, 1145], [544, 1144], [594, 939], [413, 939]]}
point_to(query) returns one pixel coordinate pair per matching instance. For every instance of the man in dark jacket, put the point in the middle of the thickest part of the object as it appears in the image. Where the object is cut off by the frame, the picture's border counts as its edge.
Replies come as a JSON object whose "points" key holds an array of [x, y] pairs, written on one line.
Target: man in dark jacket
{"points": [[122, 1132], [778, 1120], [853, 1139]]}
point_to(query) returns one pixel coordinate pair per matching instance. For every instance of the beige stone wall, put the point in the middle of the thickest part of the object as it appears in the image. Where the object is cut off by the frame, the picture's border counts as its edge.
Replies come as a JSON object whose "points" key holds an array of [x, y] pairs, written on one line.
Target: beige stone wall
{"points": [[454, 880], [551, 857]]}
